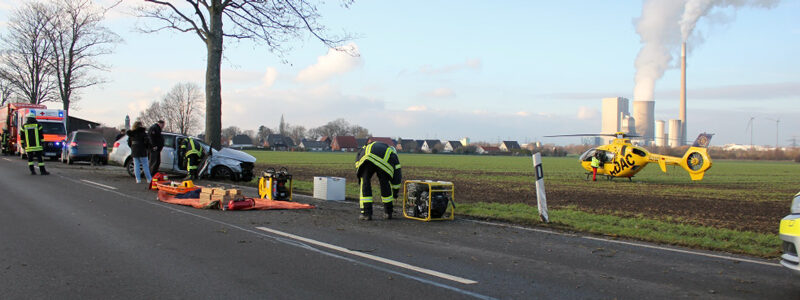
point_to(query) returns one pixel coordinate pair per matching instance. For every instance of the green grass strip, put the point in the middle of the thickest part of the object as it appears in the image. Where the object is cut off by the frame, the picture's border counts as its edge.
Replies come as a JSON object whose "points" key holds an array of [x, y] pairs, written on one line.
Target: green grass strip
{"points": [[744, 242]]}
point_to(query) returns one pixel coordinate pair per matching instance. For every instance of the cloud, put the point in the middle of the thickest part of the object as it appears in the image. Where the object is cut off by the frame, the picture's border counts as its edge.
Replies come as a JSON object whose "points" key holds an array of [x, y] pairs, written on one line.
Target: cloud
{"points": [[469, 64], [587, 113], [269, 77], [336, 61], [417, 108], [441, 93], [742, 92], [523, 113]]}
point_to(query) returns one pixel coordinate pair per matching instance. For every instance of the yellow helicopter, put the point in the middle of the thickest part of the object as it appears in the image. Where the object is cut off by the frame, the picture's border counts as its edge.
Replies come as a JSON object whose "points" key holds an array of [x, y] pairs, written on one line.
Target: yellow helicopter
{"points": [[621, 158]]}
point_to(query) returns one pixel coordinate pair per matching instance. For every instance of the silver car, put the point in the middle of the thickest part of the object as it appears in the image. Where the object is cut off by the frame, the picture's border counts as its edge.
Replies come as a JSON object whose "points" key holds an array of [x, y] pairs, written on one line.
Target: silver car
{"points": [[223, 164]]}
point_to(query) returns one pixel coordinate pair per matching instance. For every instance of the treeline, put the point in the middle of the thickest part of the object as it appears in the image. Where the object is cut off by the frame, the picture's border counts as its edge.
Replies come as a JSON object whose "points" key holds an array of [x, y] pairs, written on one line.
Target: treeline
{"points": [[50, 51]]}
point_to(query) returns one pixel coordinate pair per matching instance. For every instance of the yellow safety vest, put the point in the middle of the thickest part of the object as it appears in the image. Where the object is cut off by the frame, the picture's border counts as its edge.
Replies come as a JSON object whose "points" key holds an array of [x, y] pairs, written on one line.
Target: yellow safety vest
{"points": [[32, 131], [595, 162]]}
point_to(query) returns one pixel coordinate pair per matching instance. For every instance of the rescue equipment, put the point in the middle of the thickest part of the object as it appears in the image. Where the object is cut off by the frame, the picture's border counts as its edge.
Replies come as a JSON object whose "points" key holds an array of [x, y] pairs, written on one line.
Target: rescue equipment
{"points": [[275, 185], [219, 198], [428, 200], [158, 178]]}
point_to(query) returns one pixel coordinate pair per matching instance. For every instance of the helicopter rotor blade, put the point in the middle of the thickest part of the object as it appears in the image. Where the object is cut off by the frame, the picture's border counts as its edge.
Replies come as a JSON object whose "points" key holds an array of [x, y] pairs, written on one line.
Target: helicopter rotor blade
{"points": [[592, 134]]}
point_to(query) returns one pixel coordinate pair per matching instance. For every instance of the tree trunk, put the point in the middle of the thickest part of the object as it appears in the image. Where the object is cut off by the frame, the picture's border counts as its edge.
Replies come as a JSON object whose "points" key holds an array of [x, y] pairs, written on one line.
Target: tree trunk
{"points": [[213, 82]]}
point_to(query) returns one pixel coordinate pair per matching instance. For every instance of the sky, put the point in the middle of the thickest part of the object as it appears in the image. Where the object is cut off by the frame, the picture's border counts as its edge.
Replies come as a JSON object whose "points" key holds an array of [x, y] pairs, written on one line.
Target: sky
{"points": [[487, 70]]}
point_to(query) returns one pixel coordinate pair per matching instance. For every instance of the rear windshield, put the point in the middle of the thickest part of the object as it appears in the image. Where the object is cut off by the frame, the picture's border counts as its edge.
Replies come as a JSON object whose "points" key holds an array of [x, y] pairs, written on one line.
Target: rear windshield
{"points": [[88, 137], [53, 128]]}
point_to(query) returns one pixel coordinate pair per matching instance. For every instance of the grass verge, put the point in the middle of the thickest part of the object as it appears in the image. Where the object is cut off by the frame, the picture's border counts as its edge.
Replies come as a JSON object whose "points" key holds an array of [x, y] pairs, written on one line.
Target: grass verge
{"points": [[569, 218]]}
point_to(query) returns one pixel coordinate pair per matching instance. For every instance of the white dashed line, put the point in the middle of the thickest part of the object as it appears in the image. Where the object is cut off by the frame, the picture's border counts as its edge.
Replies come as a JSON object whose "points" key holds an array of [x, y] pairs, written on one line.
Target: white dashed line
{"points": [[99, 184]]}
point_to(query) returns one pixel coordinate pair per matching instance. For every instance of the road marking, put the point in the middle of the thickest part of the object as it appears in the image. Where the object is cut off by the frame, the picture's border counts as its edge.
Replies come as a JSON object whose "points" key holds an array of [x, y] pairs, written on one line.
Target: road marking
{"points": [[372, 257], [293, 243], [6, 159], [99, 184], [631, 244]]}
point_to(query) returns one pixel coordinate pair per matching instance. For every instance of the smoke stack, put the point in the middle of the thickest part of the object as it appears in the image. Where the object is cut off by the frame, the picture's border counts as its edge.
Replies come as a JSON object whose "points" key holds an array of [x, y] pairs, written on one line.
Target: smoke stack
{"points": [[683, 93]]}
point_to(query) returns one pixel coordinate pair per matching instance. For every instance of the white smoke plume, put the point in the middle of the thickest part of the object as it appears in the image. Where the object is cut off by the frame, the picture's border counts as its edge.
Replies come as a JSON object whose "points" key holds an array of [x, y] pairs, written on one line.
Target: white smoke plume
{"points": [[663, 26]]}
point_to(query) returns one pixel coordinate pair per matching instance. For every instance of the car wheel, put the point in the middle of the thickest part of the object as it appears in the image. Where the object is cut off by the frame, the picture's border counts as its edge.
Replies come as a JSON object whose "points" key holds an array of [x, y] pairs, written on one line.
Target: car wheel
{"points": [[129, 167], [222, 172]]}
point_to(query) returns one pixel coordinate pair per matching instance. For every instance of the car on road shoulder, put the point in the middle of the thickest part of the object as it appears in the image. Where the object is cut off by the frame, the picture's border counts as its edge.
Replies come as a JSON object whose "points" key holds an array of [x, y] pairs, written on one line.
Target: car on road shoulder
{"points": [[223, 164], [790, 235], [84, 145]]}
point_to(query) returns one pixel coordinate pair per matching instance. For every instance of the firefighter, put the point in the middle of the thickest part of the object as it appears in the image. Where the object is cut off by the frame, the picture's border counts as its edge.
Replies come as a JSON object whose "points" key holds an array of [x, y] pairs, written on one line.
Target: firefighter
{"points": [[379, 158], [4, 141], [192, 153], [33, 140]]}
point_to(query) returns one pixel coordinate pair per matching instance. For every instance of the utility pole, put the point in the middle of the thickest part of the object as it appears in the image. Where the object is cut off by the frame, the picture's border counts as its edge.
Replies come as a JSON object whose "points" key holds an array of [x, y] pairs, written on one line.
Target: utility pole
{"points": [[750, 125]]}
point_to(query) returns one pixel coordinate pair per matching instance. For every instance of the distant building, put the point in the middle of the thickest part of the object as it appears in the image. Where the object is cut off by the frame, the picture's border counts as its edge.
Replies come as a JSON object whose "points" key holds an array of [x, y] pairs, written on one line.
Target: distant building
{"points": [[407, 146], [344, 143], [316, 146], [487, 149], [241, 141], [452, 146], [278, 142], [385, 140], [429, 145], [507, 146], [361, 142], [614, 110]]}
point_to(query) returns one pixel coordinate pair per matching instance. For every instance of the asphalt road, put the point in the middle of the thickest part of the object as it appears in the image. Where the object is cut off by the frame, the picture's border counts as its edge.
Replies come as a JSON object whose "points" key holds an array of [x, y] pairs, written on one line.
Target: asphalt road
{"points": [[91, 232]]}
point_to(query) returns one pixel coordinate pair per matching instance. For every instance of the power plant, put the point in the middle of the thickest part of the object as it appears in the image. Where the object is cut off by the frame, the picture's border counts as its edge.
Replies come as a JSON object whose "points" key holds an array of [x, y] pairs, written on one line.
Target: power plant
{"points": [[616, 118]]}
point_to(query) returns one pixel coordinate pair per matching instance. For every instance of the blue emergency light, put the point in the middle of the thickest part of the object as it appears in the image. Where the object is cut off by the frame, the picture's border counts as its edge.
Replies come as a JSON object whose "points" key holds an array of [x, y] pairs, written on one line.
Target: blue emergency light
{"points": [[61, 114]]}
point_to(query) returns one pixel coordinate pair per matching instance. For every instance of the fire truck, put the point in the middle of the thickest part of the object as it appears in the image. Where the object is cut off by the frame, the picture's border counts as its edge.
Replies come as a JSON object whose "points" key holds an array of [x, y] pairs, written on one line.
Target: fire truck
{"points": [[53, 121]]}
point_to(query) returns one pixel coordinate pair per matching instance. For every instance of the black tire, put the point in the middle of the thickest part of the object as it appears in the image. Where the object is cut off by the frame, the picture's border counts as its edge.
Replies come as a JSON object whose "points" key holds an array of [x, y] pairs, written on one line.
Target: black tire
{"points": [[222, 172], [129, 166]]}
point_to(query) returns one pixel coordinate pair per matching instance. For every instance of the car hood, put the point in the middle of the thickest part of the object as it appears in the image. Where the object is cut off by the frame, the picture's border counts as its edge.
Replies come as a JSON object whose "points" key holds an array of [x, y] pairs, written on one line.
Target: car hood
{"points": [[234, 154]]}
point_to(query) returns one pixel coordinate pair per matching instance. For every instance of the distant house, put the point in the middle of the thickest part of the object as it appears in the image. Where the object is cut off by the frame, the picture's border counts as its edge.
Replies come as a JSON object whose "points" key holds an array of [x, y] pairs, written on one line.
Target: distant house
{"points": [[487, 149], [384, 140], [407, 146], [326, 139], [429, 145], [507, 146], [452, 146], [420, 143], [309, 145], [361, 142], [241, 141], [344, 143], [279, 142]]}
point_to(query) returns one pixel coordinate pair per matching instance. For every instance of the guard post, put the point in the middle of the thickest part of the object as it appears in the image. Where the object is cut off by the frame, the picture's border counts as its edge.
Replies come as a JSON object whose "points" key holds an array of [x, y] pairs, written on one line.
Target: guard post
{"points": [[541, 199]]}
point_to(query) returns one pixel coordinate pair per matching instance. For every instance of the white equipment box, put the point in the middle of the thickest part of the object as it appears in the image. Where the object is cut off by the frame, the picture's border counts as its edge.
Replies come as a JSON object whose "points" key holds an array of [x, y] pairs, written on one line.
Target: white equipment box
{"points": [[329, 188]]}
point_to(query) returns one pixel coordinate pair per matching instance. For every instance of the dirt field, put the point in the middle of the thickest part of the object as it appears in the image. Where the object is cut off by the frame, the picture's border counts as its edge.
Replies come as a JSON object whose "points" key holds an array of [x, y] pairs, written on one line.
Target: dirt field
{"points": [[732, 214]]}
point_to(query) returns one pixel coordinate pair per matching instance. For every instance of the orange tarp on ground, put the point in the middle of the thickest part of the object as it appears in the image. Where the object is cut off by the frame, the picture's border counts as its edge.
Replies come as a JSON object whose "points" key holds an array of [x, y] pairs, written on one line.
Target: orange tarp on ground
{"points": [[260, 204]]}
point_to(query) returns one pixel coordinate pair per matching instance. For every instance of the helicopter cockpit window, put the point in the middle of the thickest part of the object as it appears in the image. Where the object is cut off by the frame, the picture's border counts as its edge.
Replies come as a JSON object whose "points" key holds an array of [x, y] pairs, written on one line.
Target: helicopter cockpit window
{"points": [[587, 156], [639, 152], [609, 156]]}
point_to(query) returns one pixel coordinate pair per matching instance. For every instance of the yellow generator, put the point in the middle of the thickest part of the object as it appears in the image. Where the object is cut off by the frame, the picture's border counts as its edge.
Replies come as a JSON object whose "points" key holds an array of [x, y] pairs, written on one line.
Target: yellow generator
{"points": [[275, 185], [428, 200]]}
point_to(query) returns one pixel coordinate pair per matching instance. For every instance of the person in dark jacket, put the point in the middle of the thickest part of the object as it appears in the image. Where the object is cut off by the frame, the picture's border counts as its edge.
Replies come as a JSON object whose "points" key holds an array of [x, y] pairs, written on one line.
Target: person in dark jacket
{"points": [[156, 144], [33, 141], [382, 159], [139, 143]]}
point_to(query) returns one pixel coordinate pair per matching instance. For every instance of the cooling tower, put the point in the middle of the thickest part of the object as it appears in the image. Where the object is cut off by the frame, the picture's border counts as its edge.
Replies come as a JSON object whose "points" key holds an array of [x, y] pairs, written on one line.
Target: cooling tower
{"points": [[660, 138], [643, 112], [682, 115], [675, 138]]}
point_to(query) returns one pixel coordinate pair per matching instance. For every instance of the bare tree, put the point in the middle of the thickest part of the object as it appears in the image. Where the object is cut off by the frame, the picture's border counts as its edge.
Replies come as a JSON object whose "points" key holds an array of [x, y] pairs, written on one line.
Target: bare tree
{"points": [[77, 38], [272, 22], [6, 91], [296, 132], [184, 107], [263, 132], [339, 127], [153, 114], [26, 53], [229, 132]]}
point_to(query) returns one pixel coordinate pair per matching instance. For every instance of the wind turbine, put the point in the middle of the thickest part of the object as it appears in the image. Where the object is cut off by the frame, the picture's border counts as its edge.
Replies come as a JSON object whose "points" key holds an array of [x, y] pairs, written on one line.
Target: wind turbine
{"points": [[750, 125], [777, 128]]}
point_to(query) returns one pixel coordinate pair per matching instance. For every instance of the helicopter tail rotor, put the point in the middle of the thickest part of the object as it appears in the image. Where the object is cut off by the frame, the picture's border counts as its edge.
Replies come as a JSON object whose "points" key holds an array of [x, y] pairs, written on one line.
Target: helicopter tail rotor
{"points": [[696, 161]]}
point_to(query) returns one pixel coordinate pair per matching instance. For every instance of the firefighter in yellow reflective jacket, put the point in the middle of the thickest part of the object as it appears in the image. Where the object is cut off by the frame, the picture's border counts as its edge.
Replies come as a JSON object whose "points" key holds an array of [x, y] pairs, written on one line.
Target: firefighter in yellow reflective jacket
{"points": [[379, 158], [32, 141], [4, 141], [192, 152]]}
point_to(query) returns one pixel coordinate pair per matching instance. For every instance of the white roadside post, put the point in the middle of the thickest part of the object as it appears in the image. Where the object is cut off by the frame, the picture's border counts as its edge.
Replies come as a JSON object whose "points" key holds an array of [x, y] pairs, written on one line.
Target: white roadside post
{"points": [[540, 195]]}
